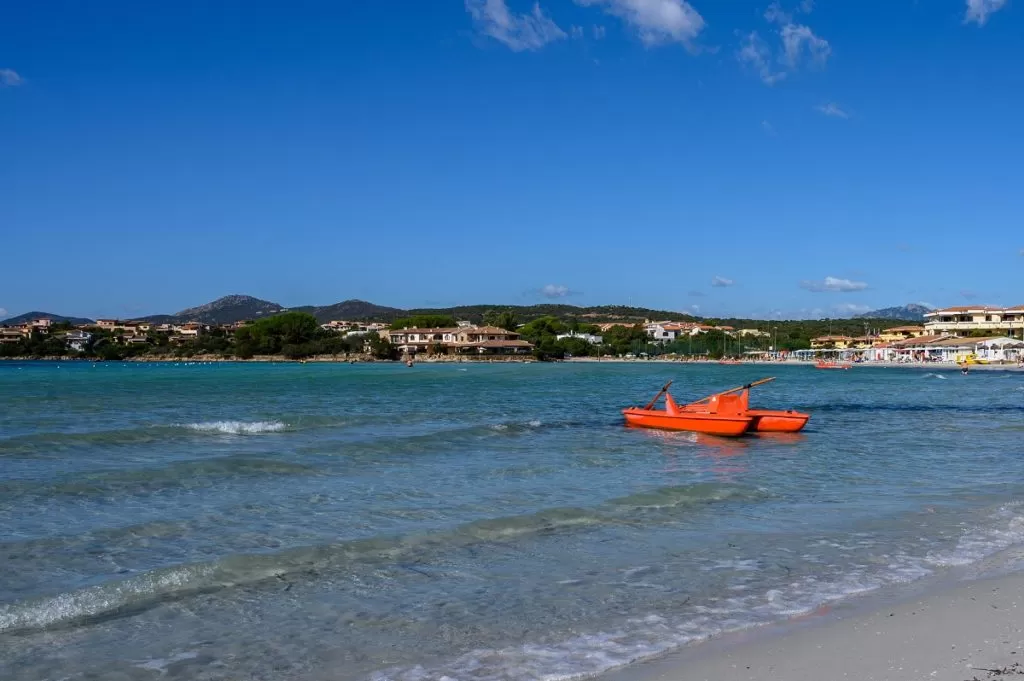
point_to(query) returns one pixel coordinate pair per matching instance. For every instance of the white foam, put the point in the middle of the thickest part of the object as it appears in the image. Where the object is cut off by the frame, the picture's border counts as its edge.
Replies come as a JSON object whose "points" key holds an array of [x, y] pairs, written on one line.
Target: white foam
{"points": [[976, 543], [237, 427]]}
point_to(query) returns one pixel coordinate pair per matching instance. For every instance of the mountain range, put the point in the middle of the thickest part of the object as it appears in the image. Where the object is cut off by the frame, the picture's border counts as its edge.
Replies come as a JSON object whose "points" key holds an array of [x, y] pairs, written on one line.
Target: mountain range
{"points": [[235, 308], [911, 312]]}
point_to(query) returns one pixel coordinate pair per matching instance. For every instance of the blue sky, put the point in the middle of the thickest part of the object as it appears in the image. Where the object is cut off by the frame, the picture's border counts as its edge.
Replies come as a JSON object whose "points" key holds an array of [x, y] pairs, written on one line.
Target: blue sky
{"points": [[732, 158]]}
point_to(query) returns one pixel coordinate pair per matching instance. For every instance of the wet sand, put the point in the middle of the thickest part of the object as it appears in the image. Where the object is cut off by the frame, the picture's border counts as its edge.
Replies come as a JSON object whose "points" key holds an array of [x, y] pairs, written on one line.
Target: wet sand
{"points": [[971, 631]]}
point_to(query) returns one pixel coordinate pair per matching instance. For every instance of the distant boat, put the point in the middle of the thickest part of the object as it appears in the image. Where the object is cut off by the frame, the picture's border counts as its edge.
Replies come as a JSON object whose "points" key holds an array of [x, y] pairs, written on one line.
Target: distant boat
{"points": [[822, 364]]}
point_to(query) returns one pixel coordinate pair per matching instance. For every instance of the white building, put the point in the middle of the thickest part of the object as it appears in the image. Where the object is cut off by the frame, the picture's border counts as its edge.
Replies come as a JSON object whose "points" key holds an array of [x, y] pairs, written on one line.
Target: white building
{"points": [[589, 337], [971, 319]]}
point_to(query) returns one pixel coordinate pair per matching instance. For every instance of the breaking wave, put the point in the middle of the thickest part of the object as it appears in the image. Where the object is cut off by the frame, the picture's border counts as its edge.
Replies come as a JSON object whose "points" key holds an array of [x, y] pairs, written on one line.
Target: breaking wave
{"points": [[238, 427]]}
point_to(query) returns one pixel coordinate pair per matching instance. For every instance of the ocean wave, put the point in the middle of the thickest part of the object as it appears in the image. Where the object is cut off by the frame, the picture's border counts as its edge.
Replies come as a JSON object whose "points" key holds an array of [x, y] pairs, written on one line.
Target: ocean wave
{"points": [[685, 495], [904, 407], [1005, 530], [187, 474], [641, 638], [237, 427], [143, 591]]}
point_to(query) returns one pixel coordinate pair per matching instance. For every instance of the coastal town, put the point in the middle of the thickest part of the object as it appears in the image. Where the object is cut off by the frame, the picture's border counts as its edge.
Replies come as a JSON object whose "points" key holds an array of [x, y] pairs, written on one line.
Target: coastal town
{"points": [[971, 334]]}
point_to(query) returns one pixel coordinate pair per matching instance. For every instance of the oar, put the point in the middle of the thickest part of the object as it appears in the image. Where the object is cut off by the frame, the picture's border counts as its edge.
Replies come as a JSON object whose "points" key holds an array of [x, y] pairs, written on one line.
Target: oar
{"points": [[749, 385], [734, 390], [651, 403]]}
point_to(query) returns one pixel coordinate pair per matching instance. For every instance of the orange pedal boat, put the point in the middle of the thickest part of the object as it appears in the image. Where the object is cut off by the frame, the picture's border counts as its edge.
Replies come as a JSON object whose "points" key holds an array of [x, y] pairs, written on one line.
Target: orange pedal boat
{"points": [[727, 414], [725, 417], [765, 420]]}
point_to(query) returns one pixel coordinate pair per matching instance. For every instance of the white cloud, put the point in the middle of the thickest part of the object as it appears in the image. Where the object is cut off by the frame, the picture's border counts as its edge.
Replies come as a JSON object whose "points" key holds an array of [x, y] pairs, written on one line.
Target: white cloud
{"points": [[3, 313], [832, 109], [576, 32], [775, 15], [655, 21], [979, 10], [599, 32], [518, 32], [556, 291], [807, 6], [10, 78], [798, 46], [833, 284], [852, 308], [695, 308], [798, 41], [722, 282], [755, 53], [768, 128]]}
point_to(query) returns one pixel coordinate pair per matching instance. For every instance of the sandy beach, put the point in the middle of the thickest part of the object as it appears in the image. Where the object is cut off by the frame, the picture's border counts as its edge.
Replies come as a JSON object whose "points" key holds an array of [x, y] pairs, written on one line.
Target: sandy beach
{"points": [[971, 631]]}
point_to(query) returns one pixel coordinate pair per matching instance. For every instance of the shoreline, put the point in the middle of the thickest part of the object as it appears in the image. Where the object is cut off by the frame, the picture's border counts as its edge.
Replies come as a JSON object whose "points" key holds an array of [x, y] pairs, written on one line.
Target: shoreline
{"points": [[362, 359], [958, 632]]}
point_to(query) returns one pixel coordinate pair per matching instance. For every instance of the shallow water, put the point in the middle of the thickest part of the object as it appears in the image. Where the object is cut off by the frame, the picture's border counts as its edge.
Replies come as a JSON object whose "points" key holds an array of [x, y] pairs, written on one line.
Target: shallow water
{"points": [[471, 521]]}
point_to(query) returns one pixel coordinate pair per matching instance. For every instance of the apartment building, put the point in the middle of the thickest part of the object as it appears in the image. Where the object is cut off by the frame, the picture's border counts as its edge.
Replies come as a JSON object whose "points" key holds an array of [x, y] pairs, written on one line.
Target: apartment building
{"points": [[971, 320]]}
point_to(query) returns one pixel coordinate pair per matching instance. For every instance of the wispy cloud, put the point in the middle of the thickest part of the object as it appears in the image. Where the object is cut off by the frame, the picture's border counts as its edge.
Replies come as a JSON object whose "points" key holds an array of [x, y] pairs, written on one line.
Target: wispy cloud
{"points": [[768, 128], [10, 78], [722, 282], [833, 284], [557, 291], [695, 294], [978, 11], [576, 32], [851, 308], [798, 46], [776, 15], [695, 308], [656, 22], [755, 53], [1021, 252], [831, 109], [518, 32], [801, 45], [3, 313], [599, 32]]}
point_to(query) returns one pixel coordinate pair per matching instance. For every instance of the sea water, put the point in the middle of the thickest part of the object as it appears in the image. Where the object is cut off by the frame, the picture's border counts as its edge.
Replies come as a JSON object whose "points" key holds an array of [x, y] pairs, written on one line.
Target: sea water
{"points": [[478, 522]]}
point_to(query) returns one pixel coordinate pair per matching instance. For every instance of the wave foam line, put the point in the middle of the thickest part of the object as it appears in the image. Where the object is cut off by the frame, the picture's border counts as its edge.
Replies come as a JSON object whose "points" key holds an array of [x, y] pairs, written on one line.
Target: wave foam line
{"points": [[237, 427]]}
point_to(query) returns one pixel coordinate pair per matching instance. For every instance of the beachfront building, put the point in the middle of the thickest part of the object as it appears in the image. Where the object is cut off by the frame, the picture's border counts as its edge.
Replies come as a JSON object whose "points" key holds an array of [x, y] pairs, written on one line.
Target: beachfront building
{"points": [[948, 348], [666, 332], [11, 336], [831, 343], [478, 340], [973, 320], [900, 333]]}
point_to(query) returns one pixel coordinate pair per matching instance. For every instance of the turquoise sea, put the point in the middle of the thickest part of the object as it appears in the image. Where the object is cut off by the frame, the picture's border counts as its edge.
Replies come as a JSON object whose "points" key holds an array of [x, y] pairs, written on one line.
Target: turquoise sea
{"points": [[468, 522]]}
